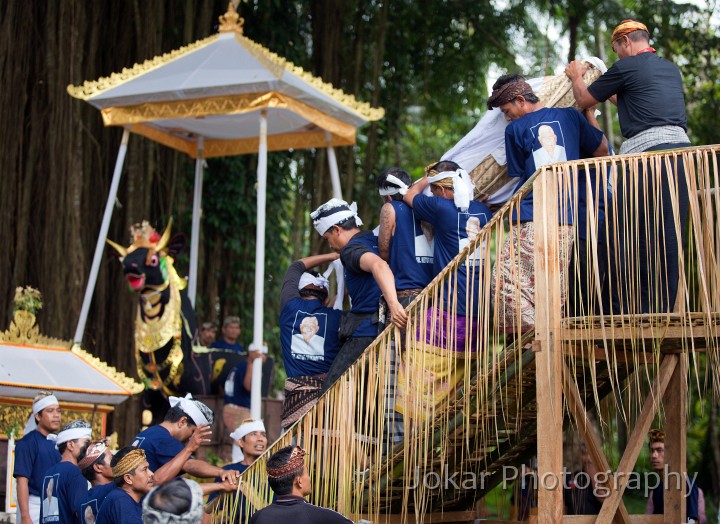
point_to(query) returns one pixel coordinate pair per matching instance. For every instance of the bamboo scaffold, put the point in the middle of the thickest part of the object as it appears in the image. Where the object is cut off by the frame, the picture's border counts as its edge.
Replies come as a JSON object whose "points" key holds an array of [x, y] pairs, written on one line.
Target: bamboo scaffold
{"points": [[503, 396]]}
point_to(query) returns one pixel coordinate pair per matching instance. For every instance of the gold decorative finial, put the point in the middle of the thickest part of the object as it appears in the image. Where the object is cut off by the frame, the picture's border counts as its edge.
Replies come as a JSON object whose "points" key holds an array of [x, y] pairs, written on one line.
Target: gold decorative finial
{"points": [[231, 22]]}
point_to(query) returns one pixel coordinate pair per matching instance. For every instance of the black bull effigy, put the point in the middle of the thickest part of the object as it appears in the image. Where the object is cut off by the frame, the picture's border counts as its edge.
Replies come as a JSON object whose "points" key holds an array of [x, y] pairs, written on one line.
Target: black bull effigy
{"points": [[165, 325]]}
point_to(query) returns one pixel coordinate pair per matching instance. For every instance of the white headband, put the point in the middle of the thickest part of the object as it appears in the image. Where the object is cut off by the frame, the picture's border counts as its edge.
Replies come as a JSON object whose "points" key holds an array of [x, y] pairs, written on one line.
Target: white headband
{"points": [[38, 406], [463, 186], [310, 280], [401, 188], [188, 406], [69, 434], [344, 211], [248, 427], [43, 403]]}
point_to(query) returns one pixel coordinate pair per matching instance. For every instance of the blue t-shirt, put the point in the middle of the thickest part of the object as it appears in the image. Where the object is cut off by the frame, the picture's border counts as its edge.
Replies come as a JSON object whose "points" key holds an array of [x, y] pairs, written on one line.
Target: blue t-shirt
{"points": [[310, 354], [34, 455], [236, 466], [451, 236], [95, 498], [309, 337], [364, 291], [691, 500], [159, 445], [67, 490], [235, 392], [227, 346], [565, 133], [411, 250], [119, 508]]}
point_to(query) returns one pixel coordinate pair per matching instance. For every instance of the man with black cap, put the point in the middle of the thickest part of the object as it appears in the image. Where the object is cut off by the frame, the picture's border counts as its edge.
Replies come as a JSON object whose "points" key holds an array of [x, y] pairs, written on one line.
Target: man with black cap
{"points": [[367, 276], [290, 481], [648, 91], [64, 486], [308, 334], [34, 455]]}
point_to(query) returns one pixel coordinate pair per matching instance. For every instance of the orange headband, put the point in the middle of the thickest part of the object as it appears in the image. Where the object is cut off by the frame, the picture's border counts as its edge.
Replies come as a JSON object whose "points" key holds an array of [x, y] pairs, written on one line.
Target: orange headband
{"points": [[626, 27]]}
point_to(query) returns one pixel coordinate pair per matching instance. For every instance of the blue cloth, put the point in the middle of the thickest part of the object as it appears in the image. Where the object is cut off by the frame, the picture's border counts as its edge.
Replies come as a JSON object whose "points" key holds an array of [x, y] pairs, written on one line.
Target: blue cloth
{"points": [[119, 508], [95, 498], [574, 137], [235, 392], [227, 346], [69, 491], [159, 445], [411, 255], [300, 357], [691, 501], [451, 236], [649, 93], [34, 455], [364, 291]]}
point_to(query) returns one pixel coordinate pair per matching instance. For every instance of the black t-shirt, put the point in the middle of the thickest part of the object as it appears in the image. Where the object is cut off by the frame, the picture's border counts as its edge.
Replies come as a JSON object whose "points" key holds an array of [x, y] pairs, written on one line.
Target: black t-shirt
{"points": [[298, 511], [649, 90]]}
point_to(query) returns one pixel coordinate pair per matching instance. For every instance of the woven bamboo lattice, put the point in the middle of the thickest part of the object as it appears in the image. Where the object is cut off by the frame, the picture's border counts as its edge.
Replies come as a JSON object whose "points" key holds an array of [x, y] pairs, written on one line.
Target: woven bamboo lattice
{"points": [[486, 418]]}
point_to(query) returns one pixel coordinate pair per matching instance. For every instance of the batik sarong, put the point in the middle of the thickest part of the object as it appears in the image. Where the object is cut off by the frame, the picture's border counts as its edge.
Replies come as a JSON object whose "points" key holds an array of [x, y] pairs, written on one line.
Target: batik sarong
{"points": [[301, 394], [514, 276]]}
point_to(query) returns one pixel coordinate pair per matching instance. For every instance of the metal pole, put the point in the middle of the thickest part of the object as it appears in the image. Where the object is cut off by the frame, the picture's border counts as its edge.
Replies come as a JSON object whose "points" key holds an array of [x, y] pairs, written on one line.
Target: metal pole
{"points": [[100, 245], [257, 343], [197, 211], [334, 173]]}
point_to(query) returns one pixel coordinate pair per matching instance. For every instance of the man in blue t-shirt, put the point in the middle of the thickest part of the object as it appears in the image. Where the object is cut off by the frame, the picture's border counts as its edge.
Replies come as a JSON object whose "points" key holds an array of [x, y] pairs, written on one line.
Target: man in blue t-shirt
{"points": [[694, 501], [648, 91], [250, 437], [404, 241], [95, 467], [230, 333], [367, 276], [133, 479], [308, 334], [236, 391], [64, 487], [536, 136], [35, 454], [169, 446]]}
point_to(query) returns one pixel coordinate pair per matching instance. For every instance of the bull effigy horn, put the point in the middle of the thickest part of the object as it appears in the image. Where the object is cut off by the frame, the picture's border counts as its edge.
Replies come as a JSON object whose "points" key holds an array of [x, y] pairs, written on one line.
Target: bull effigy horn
{"points": [[120, 249], [165, 238]]}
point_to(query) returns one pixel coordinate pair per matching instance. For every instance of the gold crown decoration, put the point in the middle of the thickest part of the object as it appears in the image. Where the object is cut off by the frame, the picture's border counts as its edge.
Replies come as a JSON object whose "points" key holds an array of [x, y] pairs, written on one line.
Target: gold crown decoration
{"points": [[143, 233], [231, 22]]}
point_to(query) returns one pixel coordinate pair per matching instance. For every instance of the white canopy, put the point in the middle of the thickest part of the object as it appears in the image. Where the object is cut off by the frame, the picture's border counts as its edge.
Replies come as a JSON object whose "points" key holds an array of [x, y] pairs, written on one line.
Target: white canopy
{"points": [[215, 89]]}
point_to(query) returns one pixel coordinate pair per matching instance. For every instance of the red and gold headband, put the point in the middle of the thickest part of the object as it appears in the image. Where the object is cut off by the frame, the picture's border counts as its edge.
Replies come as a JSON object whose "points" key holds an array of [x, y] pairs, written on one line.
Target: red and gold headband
{"points": [[626, 27], [293, 466]]}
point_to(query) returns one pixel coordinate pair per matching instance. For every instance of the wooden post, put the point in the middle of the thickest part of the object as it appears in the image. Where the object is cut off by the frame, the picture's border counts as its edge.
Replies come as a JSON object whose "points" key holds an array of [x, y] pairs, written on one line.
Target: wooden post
{"points": [[548, 369], [675, 402]]}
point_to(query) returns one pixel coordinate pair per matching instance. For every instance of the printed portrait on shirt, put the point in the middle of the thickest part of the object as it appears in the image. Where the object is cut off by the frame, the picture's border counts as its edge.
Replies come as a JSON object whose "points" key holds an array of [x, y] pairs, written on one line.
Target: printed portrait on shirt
{"points": [[50, 508], [89, 511], [472, 228], [308, 338], [424, 243], [549, 146]]}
